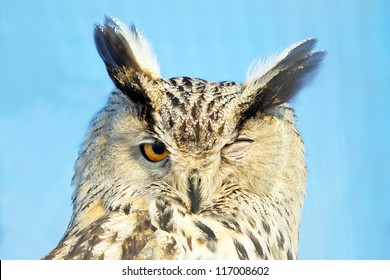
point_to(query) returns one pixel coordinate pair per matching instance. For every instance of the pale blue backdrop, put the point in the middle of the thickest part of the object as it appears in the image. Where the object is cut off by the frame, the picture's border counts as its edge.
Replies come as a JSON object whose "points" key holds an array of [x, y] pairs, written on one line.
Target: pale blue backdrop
{"points": [[52, 81]]}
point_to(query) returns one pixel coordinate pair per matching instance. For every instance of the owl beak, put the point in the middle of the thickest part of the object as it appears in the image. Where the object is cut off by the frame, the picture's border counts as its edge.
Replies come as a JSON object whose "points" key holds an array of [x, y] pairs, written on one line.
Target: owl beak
{"points": [[194, 192]]}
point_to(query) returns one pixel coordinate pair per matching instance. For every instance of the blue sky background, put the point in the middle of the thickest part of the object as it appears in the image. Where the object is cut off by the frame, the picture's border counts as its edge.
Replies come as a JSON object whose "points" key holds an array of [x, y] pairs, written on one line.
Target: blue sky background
{"points": [[52, 82]]}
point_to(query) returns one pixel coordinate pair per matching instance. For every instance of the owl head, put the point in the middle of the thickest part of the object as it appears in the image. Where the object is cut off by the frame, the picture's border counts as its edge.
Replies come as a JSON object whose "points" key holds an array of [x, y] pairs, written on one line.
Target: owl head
{"points": [[194, 142]]}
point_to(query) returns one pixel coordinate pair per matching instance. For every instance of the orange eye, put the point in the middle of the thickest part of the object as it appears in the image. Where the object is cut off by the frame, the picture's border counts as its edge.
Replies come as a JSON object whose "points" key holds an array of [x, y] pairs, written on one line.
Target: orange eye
{"points": [[154, 151]]}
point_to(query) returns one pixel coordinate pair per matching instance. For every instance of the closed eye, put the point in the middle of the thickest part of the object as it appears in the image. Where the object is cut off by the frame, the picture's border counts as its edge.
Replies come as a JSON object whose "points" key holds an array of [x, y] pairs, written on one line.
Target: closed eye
{"points": [[238, 149]]}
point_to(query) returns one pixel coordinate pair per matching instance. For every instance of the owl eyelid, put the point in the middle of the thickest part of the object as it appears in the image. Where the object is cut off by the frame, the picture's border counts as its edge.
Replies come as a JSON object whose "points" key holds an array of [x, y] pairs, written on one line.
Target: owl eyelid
{"points": [[150, 140], [240, 139], [238, 149], [243, 139]]}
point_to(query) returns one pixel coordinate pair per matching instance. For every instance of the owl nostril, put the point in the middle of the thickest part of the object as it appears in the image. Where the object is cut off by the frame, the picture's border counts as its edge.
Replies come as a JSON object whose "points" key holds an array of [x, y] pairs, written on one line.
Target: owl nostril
{"points": [[194, 193]]}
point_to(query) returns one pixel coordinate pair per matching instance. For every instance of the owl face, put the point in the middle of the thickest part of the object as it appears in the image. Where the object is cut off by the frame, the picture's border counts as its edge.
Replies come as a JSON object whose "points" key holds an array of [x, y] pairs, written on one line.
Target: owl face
{"points": [[187, 137], [207, 149], [189, 147]]}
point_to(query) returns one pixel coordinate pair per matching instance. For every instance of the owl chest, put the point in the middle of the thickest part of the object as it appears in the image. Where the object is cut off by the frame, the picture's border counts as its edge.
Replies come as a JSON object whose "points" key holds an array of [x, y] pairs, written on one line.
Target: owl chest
{"points": [[245, 235]]}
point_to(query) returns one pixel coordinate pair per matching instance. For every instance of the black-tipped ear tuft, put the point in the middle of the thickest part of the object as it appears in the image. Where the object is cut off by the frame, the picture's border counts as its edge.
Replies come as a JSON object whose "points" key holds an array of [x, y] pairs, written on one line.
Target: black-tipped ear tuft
{"points": [[128, 58], [114, 48], [278, 79]]}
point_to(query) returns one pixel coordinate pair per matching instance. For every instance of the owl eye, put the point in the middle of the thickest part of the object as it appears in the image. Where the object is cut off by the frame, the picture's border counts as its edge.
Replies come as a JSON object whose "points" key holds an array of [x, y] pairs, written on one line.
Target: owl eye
{"points": [[154, 151], [238, 149]]}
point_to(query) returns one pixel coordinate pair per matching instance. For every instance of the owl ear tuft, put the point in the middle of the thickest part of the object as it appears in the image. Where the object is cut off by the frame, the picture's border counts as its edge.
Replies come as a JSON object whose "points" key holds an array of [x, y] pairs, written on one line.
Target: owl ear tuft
{"points": [[279, 78], [127, 55]]}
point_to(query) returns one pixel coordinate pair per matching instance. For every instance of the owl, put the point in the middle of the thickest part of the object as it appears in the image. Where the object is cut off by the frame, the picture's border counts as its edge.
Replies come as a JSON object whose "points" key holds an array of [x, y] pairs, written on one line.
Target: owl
{"points": [[184, 168]]}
